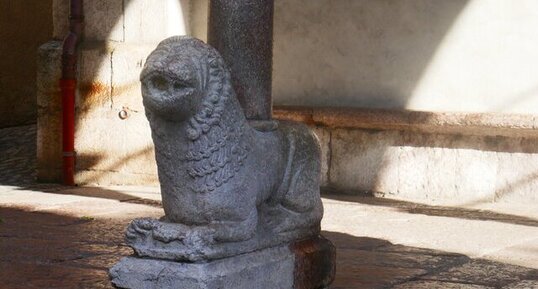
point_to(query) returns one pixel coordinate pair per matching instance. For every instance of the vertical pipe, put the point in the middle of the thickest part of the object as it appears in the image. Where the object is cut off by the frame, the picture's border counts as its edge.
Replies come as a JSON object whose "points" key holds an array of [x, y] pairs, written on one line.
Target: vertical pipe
{"points": [[242, 31], [68, 85]]}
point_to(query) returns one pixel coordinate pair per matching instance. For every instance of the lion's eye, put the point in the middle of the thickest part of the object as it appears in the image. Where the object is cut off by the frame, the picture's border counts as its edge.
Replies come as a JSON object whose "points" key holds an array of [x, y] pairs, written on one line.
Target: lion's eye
{"points": [[160, 83]]}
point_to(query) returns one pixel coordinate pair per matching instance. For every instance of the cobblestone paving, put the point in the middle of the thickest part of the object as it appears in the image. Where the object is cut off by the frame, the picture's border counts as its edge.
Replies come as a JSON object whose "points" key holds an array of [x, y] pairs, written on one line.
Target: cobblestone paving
{"points": [[18, 155], [56, 249]]}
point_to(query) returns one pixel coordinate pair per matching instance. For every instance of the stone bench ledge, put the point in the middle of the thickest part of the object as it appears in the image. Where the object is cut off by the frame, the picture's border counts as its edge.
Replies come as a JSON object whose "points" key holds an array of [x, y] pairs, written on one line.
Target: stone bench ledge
{"points": [[481, 124]]}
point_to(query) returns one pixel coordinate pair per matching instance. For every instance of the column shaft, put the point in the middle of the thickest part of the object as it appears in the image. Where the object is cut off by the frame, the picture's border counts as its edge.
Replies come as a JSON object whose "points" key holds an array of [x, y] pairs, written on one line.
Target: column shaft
{"points": [[242, 31]]}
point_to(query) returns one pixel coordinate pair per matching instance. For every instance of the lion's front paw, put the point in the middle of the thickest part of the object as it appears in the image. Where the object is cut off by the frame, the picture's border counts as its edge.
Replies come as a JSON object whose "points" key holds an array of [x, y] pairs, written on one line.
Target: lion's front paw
{"points": [[168, 232], [200, 236], [140, 228], [148, 231]]}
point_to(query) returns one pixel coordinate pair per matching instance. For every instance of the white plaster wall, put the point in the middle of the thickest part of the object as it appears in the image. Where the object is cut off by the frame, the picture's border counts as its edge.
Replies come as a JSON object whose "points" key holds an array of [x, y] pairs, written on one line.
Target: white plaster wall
{"points": [[488, 61], [430, 55]]}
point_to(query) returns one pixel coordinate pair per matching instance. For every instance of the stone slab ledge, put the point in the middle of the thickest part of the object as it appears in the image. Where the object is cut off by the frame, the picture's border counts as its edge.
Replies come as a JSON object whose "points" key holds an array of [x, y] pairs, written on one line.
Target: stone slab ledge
{"points": [[480, 124]]}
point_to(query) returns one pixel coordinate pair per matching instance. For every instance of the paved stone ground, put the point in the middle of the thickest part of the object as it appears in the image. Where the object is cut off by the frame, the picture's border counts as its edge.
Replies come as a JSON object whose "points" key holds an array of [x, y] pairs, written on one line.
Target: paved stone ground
{"points": [[60, 237], [18, 155]]}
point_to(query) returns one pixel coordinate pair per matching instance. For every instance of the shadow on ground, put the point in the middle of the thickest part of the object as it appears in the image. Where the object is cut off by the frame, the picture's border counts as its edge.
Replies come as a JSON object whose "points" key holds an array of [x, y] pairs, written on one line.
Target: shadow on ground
{"points": [[18, 155], [438, 211], [48, 250], [94, 192]]}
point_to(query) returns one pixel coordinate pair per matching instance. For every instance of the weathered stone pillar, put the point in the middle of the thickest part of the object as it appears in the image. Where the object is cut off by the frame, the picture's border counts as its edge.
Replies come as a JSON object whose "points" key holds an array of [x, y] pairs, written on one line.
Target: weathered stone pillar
{"points": [[242, 31]]}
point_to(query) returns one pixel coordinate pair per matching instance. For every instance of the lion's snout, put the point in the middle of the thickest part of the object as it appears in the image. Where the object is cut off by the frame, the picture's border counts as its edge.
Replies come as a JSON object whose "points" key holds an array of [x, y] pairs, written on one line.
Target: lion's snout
{"points": [[168, 99]]}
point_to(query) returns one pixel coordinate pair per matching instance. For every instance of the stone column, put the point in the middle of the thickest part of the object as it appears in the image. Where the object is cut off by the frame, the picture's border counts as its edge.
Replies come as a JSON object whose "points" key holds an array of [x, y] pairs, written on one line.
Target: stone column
{"points": [[242, 31]]}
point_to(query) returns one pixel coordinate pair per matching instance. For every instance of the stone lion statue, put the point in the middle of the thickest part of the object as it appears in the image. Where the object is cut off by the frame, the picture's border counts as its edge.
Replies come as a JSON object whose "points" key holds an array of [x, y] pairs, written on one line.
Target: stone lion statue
{"points": [[229, 186]]}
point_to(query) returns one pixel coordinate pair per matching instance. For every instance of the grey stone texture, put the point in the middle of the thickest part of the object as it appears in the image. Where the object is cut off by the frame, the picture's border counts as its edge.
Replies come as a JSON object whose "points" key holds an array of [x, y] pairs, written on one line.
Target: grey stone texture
{"points": [[269, 268], [306, 264], [242, 31], [228, 186]]}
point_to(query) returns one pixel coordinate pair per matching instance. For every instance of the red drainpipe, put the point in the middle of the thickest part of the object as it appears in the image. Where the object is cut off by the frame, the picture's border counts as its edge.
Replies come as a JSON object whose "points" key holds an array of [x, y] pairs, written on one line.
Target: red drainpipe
{"points": [[68, 85]]}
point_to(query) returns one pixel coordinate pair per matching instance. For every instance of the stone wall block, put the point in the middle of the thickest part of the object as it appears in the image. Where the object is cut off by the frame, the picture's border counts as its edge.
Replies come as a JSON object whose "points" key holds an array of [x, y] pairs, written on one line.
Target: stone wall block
{"points": [[94, 79], [113, 148], [475, 176], [49, 72], [356, 157], [419, 167], [127, 63], [517, 177], [49, 113], [129, 150]]}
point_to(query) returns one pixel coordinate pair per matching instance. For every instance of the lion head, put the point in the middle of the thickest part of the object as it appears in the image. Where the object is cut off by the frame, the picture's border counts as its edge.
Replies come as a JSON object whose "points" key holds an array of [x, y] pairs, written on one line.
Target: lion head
{"points": [[183, 80]]}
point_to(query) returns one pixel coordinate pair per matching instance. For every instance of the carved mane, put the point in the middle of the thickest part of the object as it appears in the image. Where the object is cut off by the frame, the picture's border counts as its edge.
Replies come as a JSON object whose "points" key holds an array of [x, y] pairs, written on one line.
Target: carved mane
{"points": [[217, 133], [218, 145]]}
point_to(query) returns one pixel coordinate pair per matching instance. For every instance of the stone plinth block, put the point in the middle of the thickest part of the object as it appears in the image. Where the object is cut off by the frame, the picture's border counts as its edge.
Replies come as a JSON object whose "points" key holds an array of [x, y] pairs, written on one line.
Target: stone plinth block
{"points": [[308, 264]]}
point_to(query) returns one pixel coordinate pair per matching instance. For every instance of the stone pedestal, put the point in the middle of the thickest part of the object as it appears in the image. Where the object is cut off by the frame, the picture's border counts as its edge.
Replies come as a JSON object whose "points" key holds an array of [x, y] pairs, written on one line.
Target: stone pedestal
{"points": [[308, 264]]}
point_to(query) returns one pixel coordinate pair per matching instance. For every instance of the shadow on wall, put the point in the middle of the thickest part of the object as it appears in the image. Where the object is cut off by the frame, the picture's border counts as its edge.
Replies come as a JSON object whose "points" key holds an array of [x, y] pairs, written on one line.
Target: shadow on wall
{"points": [[356, 53]]}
